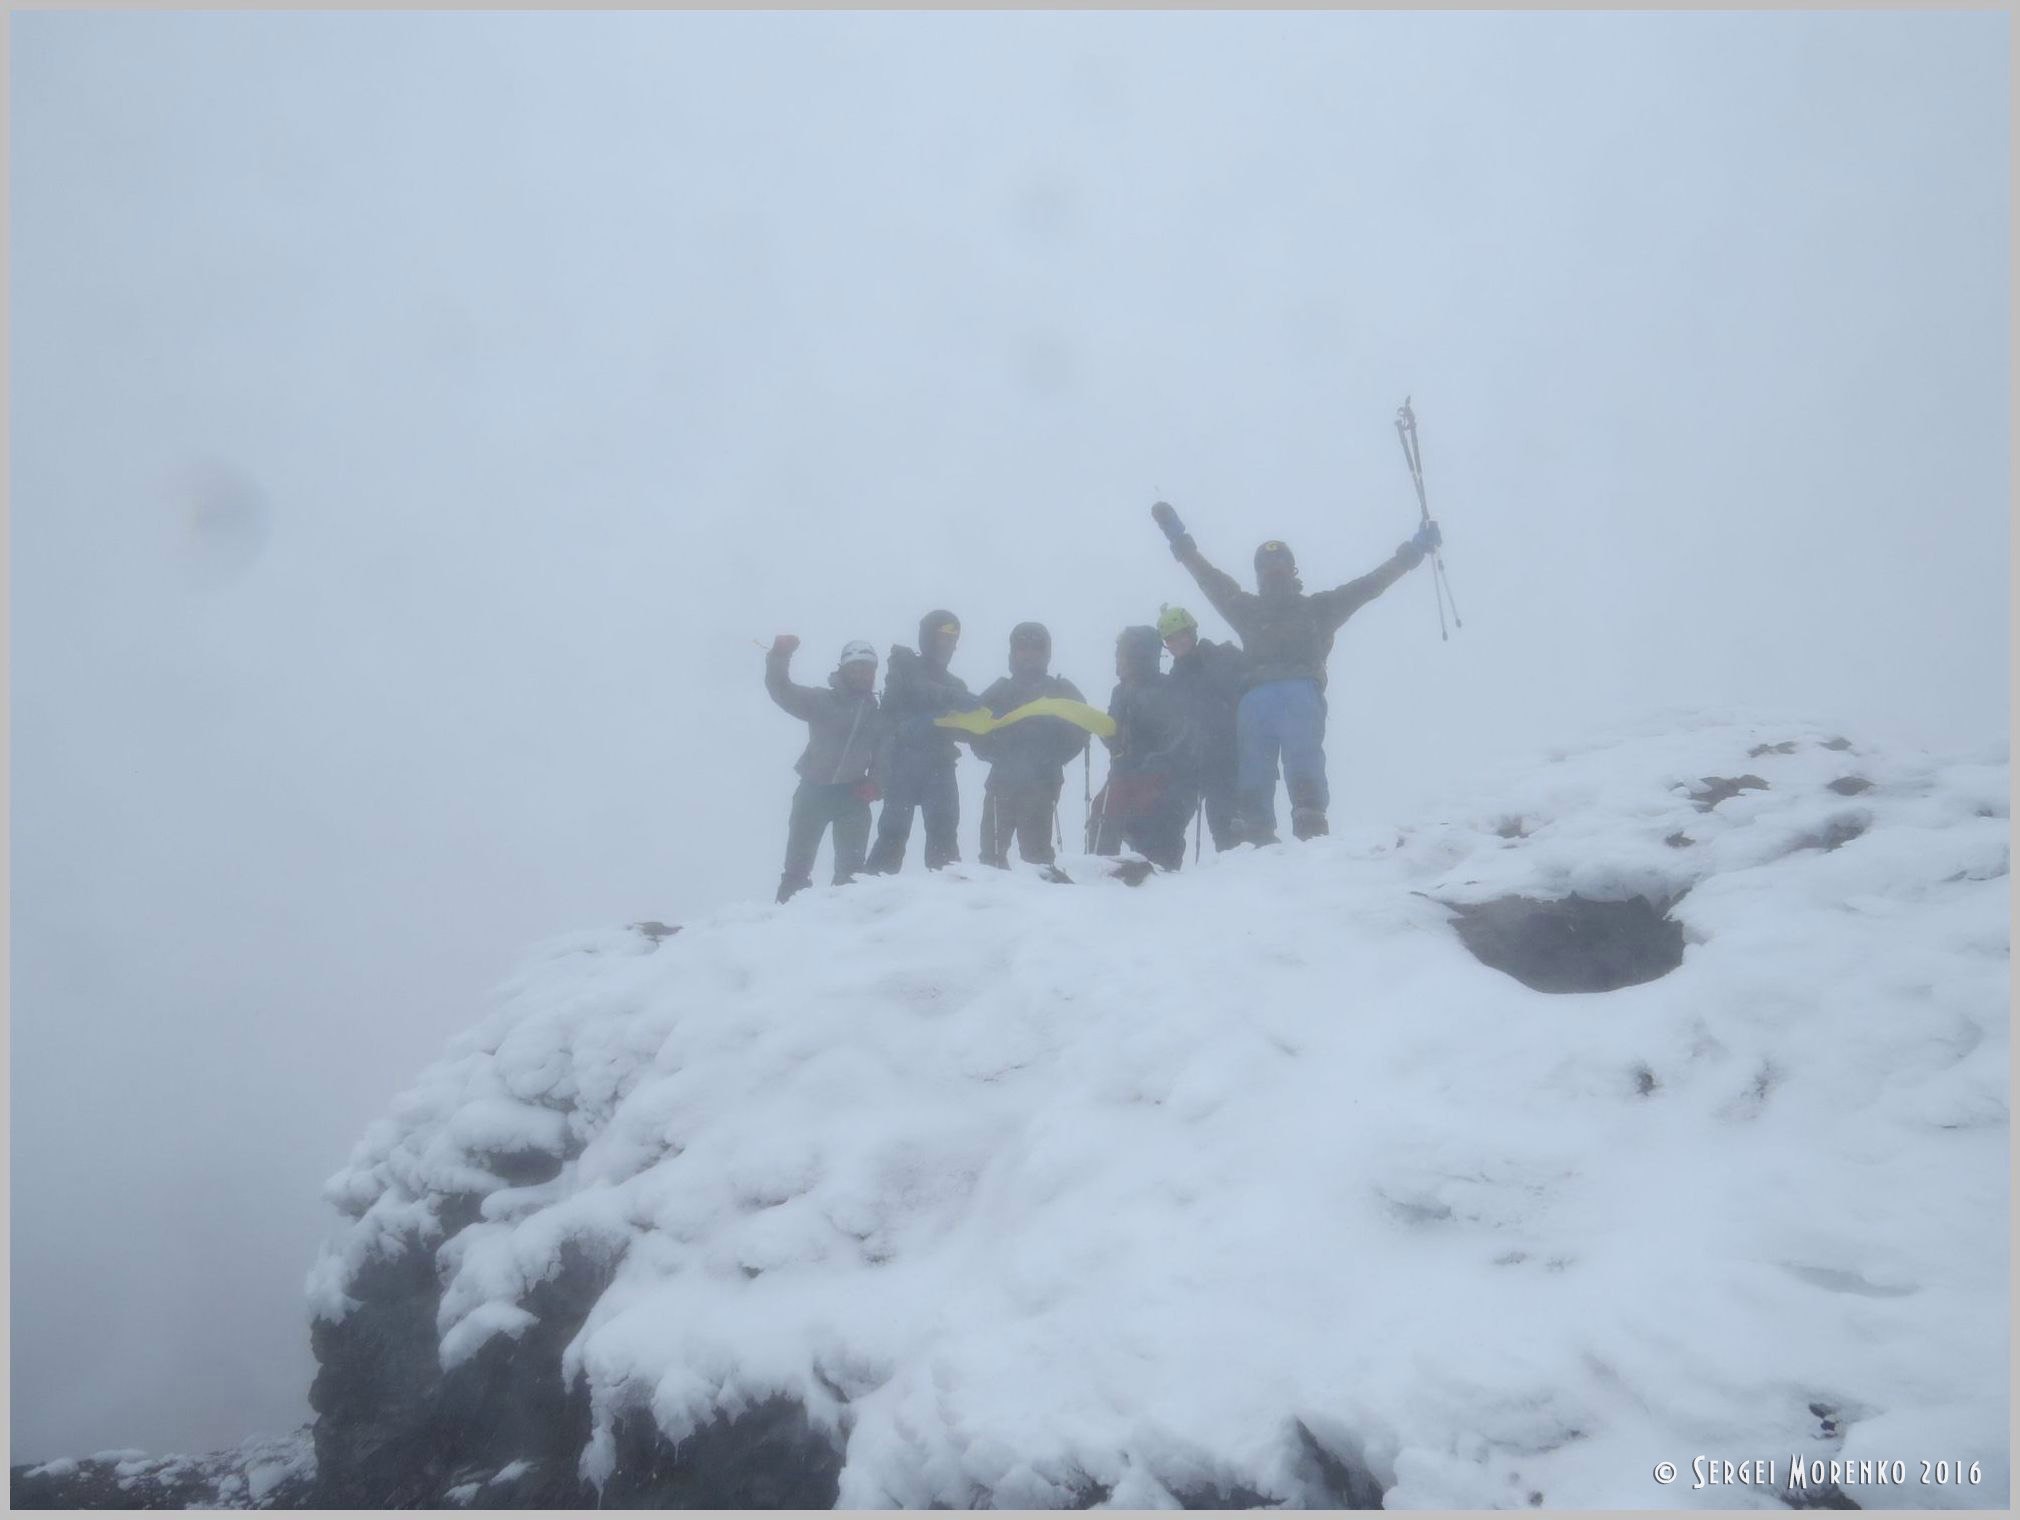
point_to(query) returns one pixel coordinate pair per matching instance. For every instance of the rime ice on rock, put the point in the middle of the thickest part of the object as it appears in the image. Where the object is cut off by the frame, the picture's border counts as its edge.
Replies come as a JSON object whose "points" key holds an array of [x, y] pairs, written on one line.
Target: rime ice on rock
{"points": [[1250, 1184]]}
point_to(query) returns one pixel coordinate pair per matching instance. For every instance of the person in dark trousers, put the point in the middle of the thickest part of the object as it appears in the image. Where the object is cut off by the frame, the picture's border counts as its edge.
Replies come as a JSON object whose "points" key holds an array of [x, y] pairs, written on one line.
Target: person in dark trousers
{"points": [[844, 727], [915, 767], [1153, 770], [1028, 758], [1209, 678], [1287, 634]]}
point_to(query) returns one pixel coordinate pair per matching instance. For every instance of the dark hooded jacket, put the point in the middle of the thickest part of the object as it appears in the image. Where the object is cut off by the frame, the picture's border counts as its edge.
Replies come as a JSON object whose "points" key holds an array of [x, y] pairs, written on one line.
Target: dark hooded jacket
{"points": [[915, 693], [1210, 679], [1031, 750], [1288, 634], [843, 729], [1154, 734]]}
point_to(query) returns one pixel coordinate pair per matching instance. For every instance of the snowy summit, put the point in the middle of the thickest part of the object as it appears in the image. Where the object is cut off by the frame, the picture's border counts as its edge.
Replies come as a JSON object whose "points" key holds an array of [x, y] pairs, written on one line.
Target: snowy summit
{"points": [[1649, 1107]]}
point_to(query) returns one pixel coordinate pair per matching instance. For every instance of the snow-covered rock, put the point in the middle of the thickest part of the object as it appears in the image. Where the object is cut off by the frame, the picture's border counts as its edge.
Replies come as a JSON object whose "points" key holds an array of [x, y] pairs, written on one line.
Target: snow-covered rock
{"points": [[1247, 1185], [266, 1472]]}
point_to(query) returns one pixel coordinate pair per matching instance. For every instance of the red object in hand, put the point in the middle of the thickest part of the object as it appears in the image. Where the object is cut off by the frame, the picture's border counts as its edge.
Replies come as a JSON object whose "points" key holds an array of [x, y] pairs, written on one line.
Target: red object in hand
{"points": [[867, 791], [1133, 795]]}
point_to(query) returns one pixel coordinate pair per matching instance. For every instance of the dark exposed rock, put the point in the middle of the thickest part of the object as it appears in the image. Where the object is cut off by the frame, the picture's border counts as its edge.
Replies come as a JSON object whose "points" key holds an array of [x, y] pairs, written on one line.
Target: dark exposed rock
{"points": [[768, 1457], [654, 930], [1839, 743], [503, 1429], [1572, 944], [1786, 747], [1336, 1479], [1679, 840], [1716, 789], [376, 1380], [1851, 786], [395, 1431], [1217, 1496]]}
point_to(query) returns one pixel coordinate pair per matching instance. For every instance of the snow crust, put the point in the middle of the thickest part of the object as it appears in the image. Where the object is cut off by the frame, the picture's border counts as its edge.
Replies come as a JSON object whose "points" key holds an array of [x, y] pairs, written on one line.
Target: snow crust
{"points": [[1024, 1188], [259, 1473]]}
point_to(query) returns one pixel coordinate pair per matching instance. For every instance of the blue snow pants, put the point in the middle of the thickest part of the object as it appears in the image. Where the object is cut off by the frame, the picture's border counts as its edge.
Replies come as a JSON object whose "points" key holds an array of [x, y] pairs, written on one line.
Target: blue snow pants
{"points": [[1287, 717]]}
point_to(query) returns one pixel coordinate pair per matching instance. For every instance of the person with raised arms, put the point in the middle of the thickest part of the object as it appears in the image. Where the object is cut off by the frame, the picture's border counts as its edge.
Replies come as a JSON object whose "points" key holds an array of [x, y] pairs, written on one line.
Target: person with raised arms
{"points": [[1287, 634], [844, 728]]}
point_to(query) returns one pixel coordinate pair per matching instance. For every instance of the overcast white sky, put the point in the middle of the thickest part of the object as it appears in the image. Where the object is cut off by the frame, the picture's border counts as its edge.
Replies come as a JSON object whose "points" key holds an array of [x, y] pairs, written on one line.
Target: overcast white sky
{"points": [[415, 419]]}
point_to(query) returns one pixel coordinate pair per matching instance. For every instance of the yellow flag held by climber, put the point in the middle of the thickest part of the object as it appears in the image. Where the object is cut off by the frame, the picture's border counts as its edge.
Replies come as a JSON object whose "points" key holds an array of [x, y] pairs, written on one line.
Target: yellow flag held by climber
{"points": [[1079, 714]]}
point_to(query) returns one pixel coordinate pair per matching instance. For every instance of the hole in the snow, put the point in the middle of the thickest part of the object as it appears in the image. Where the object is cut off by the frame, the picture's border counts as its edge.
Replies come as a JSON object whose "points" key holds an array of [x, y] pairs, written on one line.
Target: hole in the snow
{"points": [[1572, 944], [1841, 830]]}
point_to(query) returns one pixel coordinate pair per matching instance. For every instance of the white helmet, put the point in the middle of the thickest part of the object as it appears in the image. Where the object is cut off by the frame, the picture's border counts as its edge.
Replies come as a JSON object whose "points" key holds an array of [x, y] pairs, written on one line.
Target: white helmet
{"points": [[856, 652]]}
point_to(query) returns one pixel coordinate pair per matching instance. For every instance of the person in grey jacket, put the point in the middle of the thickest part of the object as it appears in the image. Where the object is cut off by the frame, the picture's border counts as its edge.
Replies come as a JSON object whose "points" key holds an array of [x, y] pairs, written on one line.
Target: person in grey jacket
{"points": [[844, 727]]}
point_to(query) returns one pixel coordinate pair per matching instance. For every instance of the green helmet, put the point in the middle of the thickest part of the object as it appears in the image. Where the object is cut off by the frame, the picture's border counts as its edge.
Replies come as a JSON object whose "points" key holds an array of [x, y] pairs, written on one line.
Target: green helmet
{"points": [[1171, 620]]}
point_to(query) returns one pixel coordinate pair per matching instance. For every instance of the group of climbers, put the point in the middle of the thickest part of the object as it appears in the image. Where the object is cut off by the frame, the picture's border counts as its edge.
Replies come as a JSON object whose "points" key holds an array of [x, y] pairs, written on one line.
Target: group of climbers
{"points": [[1205, 737]]}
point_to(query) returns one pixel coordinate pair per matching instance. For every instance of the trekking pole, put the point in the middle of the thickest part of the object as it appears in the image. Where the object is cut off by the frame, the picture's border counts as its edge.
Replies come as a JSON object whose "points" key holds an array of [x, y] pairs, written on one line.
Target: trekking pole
{"points": [[1099, 821], [1197, 814], [1087, 798], [1441, 585], [1406, 434]]}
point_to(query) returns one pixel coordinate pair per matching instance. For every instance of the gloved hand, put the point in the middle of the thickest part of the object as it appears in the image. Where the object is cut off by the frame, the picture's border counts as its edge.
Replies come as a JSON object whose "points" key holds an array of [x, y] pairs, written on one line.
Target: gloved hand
{"points": [[785, 643], [1428, 537]]}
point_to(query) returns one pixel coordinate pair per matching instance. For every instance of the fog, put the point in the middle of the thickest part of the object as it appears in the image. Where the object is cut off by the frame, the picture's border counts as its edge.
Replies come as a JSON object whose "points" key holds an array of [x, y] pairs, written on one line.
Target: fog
{"points": [[416, 418]]}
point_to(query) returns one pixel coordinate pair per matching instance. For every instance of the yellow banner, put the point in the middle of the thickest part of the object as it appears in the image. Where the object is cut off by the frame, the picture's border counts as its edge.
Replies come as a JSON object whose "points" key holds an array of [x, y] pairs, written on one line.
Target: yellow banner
{"points": [[1079, 714]]}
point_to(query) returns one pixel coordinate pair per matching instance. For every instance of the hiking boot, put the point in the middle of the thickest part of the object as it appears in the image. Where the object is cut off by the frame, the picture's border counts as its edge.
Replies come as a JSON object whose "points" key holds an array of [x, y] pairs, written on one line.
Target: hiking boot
{"points": [[1257, 834], [1307, 822]]}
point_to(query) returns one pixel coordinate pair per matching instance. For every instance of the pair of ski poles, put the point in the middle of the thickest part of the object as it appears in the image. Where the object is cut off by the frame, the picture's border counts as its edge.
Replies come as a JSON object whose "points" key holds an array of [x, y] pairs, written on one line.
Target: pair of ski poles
{"points": [[1406, 432]]}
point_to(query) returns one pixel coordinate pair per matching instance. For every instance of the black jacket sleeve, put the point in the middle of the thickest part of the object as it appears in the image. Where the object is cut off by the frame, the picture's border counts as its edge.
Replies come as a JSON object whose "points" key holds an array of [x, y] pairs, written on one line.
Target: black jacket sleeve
{"points": [[1334, 607]]}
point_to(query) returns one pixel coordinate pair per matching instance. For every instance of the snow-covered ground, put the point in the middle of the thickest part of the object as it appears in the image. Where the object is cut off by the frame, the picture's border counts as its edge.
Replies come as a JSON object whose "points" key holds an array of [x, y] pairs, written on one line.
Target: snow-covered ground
{"points": [[263, 1472], [1021, 1187]]}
